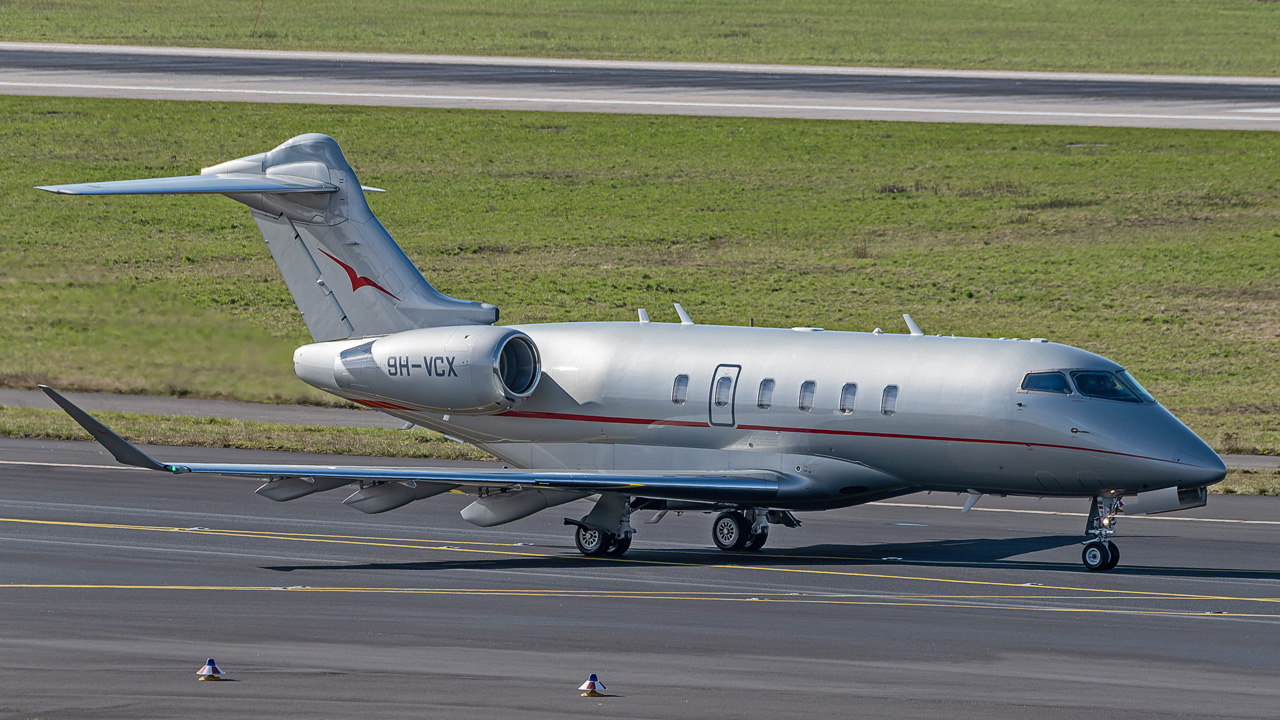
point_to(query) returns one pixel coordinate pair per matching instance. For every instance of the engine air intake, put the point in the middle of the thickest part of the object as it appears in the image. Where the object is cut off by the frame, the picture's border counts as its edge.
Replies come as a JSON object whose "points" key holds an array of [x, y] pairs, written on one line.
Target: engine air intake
{"points": [[517, 366]]}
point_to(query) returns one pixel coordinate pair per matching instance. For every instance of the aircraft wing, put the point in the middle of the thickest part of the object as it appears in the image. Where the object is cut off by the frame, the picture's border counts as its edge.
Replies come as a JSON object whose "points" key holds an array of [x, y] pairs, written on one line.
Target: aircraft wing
{"points": [[705, 486], [197, 184]]}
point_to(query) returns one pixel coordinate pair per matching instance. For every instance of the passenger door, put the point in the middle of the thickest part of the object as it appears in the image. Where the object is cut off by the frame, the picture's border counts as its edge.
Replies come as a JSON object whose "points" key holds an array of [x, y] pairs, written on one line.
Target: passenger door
{"points": [[724, 389]]}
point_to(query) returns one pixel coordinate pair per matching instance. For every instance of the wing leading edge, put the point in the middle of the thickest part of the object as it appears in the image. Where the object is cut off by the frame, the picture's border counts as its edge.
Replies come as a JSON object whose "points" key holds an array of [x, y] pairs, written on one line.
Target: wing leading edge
{"points": [[738, 486]]}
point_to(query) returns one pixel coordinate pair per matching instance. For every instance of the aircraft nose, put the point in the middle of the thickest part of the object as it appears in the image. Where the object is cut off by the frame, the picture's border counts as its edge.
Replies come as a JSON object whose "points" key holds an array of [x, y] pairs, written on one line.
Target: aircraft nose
{"points": [[1198, 463]]}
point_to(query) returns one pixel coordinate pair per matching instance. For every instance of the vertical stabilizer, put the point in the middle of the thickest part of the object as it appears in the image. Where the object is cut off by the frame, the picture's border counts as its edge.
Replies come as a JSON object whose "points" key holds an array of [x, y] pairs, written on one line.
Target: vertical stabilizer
{"points": [[347, 276]]}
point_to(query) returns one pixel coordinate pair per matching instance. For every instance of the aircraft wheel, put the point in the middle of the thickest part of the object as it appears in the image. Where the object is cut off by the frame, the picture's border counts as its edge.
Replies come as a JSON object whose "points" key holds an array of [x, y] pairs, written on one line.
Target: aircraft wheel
{"points": [[730, 531], [619, 546], [756, 541], [1114, 553], [592, 542], [1095, 557]]}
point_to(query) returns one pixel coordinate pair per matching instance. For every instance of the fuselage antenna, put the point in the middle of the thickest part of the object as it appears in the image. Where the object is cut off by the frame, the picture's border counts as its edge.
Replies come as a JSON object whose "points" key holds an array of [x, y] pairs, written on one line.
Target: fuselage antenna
{"points": [[684, 316]]}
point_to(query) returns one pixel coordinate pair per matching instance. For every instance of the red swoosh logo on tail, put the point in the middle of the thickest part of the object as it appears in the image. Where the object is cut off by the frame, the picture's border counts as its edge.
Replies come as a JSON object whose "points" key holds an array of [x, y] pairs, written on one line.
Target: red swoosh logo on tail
{"points": [[357, 281]]}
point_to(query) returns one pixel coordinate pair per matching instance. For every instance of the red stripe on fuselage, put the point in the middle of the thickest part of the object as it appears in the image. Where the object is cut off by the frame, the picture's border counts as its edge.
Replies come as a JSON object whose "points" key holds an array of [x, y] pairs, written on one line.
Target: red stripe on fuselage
{"points": [[382, 405], [597, 418]]}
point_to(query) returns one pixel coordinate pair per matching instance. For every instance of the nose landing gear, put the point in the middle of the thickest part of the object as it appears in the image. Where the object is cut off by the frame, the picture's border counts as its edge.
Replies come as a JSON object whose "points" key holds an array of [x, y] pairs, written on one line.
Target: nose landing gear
{"points": [[1100, 554]]}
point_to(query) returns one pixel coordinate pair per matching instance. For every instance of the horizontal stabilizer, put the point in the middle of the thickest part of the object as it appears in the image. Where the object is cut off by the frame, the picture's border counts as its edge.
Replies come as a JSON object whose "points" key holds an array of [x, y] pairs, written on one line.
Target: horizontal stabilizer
{"points": [[197, 185], [347, 276]]}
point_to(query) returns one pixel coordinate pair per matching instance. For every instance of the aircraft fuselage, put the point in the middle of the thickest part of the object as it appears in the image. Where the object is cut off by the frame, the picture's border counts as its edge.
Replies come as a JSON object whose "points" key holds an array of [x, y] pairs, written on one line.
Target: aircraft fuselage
{"points": [[926, 412]]}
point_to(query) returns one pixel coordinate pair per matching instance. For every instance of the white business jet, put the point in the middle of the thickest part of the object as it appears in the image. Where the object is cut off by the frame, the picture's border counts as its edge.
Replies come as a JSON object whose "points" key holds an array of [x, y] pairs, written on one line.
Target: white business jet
{"points": [[751, 423]]}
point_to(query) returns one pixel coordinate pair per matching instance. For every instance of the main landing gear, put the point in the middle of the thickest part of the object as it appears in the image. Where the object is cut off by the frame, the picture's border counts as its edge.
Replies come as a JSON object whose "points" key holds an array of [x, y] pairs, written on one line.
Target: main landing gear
{"points": [[593, 542], [1100, 554], [734, 530], [607, 531]]}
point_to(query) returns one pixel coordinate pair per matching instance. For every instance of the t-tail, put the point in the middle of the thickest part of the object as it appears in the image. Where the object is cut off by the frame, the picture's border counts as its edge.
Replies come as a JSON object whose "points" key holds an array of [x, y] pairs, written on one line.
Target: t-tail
{"points": [[347, 276]]}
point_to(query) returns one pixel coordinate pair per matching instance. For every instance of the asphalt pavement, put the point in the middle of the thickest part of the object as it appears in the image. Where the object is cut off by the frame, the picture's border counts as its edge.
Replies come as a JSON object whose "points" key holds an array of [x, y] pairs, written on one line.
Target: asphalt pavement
{"points": [[116, 584]]}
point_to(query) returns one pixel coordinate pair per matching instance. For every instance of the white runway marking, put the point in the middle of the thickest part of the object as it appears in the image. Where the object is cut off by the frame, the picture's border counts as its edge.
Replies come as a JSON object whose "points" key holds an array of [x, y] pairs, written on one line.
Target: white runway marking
{"points": [[636, 103]]}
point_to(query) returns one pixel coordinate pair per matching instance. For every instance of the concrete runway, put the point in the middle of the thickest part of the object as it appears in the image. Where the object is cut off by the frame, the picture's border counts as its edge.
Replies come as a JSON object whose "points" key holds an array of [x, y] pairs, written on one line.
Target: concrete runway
{"points": [[116, 584], [640, 87]]}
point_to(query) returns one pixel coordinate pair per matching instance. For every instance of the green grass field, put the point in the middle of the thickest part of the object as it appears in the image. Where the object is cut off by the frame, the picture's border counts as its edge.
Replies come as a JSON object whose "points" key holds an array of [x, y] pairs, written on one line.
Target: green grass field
{"points": [[1157, 248], [1232, 37]]}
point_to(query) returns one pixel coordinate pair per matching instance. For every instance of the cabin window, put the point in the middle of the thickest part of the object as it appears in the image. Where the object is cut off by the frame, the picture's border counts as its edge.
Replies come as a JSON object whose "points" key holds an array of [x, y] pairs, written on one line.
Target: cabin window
{"points": [[764, 400], [680, 390], [806, 395], [889, 401], [724, 390], [1047, 382], [1103, 385], [847, 395]]}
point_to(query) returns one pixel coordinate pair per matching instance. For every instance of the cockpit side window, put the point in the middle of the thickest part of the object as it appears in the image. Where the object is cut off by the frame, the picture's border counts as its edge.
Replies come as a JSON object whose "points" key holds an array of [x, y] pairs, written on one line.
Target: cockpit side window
{"points": [[1104, 385], [1046, 382]]}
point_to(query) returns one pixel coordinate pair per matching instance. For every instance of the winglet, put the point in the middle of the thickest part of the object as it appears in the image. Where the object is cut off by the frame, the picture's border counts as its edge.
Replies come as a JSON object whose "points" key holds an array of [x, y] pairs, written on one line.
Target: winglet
{"points": [[119, 447]]}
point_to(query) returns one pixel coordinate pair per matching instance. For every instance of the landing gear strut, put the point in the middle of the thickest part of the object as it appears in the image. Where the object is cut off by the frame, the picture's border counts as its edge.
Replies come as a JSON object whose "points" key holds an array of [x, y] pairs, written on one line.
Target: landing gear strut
{"points": [[1100, 554], [737, 531]]}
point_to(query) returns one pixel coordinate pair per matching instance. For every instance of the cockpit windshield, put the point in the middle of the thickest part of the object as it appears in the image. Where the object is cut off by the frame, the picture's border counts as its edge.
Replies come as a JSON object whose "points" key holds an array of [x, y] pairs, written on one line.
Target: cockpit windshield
{"points": [[1104, 385], [1127, 379]]}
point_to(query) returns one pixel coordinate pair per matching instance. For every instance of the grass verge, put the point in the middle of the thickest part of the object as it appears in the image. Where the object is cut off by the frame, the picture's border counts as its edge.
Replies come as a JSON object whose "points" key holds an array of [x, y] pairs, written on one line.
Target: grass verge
{"points": [[247, 435], [1143, 36], [1249, 482]]}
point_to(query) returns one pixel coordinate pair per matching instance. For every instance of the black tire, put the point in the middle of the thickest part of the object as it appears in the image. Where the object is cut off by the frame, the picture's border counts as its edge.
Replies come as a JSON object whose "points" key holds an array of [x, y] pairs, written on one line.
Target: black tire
{"points": [[1114, 553], [1095, 556], [592, 542], [730, 531], [756, 541], [619, 547]]}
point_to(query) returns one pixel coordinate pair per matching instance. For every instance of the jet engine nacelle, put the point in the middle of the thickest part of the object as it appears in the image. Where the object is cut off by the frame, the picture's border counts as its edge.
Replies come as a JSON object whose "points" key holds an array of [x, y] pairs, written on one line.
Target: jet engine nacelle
{"points": [[469, 370]]}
